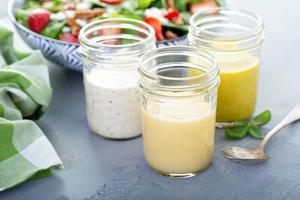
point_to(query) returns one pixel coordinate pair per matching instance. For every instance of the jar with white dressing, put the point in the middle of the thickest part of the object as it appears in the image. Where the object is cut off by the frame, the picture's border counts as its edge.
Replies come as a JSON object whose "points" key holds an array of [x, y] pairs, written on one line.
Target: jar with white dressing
{"points": [[179, 91], [110, 50]]}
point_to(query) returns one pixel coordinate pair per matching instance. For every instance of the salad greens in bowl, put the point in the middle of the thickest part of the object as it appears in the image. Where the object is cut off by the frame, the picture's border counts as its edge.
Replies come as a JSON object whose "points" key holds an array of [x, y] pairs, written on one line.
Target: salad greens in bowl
{"points": [[53, 25]]}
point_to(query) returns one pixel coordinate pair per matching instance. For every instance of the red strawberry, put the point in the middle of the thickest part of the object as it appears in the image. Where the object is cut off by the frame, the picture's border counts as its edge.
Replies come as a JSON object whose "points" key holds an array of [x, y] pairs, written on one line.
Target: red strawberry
{"points": [[68, 37], [37, 21]]}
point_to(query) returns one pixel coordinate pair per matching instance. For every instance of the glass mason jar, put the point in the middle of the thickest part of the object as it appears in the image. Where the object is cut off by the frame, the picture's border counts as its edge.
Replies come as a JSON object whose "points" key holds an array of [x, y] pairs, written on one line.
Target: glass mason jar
{"points": [[234, 37], [179, 89], [110, 51]]}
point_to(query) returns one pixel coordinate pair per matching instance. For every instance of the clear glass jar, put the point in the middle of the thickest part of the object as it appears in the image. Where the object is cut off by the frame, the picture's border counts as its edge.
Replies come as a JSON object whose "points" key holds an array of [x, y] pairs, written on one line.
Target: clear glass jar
{"points": [[179, 89], [110, 50], [234, 37]]}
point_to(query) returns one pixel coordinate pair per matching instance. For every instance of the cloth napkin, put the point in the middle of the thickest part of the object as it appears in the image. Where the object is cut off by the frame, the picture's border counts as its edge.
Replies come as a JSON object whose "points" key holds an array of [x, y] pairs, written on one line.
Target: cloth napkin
{"points": [[25, 93]]}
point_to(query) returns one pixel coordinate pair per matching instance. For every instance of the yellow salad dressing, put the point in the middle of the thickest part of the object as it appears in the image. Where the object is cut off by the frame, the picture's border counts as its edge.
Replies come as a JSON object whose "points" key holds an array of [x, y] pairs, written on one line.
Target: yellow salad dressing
{"points": [[178, 138], [238, 87]]}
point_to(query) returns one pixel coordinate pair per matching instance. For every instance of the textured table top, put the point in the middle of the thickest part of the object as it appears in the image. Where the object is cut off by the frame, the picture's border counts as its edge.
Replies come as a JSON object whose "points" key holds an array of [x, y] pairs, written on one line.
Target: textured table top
{"points": [[96, 168]]}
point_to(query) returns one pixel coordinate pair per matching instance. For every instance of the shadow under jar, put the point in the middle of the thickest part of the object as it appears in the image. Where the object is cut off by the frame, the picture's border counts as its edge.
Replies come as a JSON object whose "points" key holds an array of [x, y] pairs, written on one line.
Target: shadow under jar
{"points": [[234, 38], [110, 51], [179, 89]]}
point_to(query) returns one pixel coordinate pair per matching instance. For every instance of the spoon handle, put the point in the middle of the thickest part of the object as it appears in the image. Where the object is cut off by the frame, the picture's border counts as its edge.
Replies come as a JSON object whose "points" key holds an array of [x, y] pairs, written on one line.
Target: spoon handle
{"points": [[293, 116]]}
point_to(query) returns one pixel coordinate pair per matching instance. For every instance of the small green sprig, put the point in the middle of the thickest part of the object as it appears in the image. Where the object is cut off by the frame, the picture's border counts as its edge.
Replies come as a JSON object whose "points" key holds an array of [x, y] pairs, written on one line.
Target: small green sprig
{"points": [[252, 127]]}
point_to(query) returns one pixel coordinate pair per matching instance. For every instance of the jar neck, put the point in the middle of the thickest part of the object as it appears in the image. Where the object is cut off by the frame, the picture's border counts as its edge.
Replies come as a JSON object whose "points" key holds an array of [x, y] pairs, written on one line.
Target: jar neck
{"points": [[226, 30], [178, 71], [116, 41]]}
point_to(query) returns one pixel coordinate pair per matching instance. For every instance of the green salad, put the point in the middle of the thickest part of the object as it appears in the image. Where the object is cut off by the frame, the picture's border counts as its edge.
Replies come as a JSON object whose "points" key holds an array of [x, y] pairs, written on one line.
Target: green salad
{"points": [[63, 19]]}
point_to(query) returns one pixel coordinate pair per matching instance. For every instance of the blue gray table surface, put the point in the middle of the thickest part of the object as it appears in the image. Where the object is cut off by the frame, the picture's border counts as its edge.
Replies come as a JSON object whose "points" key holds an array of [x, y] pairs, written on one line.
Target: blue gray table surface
{"points": [[97, 168]]}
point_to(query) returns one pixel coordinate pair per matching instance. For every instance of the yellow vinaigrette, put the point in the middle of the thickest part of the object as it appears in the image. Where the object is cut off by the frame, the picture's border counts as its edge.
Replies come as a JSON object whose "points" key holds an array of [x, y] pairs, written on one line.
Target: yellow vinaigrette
{"points": [[178, 138], [238, 88]]}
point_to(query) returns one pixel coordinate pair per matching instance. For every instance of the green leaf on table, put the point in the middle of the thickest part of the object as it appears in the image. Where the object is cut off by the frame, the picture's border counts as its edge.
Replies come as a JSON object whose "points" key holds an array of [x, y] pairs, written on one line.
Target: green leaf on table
{"points": [[262, 119], [237, 132], [255, 132], [240, 129], [240, 123]]}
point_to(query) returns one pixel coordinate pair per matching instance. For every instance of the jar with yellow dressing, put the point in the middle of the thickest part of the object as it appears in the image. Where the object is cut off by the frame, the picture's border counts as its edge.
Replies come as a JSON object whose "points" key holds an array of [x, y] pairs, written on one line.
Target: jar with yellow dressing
{"points": [[178, 109], [234, 38]]}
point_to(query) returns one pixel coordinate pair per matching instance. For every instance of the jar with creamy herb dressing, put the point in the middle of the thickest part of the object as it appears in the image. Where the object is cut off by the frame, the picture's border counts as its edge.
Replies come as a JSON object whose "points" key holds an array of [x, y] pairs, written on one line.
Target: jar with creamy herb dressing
{"points": [[110, 50]]}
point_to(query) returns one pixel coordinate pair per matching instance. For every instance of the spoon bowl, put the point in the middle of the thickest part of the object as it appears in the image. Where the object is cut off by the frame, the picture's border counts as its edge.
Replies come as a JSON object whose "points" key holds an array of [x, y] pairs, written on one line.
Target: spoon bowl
{"points": [[244, 155]]}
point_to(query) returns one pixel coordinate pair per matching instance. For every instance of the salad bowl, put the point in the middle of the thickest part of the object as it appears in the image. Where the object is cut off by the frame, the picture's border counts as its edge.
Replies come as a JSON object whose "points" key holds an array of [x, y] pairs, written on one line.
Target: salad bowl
{"points": [[65, 52]]}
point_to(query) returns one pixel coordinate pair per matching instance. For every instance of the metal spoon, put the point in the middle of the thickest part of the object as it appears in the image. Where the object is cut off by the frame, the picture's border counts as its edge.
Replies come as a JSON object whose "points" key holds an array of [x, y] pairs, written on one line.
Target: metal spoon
{"points": [[245, 155]]}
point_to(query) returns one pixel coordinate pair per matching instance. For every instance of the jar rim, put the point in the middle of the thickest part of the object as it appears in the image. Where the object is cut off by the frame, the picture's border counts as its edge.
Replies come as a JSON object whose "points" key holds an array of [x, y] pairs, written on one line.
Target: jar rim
{"points": [[211, 74], [99, 44], [245, 13], [253, 33], [83, 38]]}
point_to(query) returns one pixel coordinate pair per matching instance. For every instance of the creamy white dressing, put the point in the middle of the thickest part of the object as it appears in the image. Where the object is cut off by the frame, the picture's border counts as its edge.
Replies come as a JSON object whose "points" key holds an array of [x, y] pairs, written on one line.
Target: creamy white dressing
{"points": [[112, 100]]}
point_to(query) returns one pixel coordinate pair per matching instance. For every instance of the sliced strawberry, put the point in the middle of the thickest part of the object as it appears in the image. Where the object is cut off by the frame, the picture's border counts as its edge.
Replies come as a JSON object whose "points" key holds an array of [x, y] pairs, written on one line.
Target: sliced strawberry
{"points": [[155, 23], [112, 1], [37, 21], [197, 7], [68, 37]]}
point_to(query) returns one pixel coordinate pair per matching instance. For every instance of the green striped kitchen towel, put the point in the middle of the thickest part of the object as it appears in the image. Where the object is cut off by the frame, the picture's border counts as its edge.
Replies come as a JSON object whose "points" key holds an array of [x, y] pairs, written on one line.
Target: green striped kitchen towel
{"points": [[25, 93]]}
